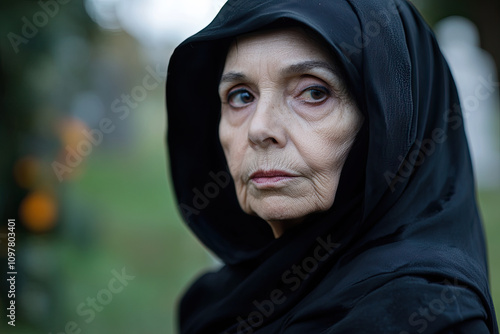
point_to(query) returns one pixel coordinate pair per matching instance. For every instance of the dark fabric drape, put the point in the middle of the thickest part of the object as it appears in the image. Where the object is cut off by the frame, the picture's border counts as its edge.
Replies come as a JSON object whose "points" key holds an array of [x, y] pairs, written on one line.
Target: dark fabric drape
{"points": [[401, 250]]}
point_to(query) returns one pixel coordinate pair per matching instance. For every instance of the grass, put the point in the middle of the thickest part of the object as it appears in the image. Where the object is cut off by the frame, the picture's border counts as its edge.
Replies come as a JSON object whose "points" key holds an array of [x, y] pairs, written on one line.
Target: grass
{"points": [[490, 209]]}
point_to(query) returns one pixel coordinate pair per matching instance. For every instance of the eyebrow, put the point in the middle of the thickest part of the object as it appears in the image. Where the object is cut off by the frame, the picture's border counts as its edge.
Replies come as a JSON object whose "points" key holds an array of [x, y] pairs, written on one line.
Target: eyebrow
{"points": [[233, 76], [290, 70], [307, 66]]}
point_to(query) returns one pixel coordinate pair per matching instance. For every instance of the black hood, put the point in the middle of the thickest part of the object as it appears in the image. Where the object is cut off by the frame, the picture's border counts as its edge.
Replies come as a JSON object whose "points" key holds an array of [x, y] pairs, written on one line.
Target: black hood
{"points": [[405, 205]]}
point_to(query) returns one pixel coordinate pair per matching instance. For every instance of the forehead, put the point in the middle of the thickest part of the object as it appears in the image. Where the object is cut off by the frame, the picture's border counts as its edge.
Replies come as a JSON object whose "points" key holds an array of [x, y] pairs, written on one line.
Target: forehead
{"points": [[277, 45]]}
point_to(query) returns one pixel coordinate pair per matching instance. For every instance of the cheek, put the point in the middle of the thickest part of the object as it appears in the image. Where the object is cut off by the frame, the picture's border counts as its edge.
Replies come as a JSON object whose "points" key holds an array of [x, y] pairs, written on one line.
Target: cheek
{"points": [[325, 149], [324, 156], [224, 136], [340, 145], [232, 146]]}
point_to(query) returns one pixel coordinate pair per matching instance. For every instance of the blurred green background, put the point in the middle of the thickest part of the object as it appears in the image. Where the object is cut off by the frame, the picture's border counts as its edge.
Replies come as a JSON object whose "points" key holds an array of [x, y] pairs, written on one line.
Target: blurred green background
{"points": [[114, 211]]}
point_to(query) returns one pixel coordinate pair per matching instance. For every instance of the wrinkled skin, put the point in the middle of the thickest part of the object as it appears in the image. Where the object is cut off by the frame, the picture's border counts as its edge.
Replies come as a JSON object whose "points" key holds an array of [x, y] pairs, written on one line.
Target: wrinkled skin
{"points": [[287, 125]]}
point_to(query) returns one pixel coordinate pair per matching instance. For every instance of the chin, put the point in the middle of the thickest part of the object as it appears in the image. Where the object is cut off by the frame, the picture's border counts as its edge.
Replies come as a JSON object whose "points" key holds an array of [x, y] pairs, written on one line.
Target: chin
{"points": [[278, 208]]}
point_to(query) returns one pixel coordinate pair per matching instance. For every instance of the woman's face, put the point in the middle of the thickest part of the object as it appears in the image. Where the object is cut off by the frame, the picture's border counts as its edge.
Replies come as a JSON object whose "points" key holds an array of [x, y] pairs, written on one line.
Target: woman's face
{"points": [[286, 127]]}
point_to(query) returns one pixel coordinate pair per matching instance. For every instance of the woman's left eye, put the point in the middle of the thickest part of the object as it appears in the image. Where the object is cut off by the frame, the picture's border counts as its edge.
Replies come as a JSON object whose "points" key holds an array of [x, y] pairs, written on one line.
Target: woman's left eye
{"points": [[314, 94]]}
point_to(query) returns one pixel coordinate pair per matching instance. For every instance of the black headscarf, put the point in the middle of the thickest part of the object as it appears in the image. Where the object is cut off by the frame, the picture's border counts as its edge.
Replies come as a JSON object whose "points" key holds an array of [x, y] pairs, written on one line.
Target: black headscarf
{"points": [[401, 250]]}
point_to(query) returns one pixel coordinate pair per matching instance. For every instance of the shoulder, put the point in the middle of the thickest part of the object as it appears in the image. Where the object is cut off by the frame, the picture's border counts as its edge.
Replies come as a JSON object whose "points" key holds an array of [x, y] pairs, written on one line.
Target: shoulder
{"points": [[403, 305]]}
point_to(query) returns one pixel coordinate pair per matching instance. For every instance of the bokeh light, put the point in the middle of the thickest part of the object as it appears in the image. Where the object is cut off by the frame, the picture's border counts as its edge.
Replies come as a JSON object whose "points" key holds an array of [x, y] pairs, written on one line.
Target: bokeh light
{"points": [[38, 211]]}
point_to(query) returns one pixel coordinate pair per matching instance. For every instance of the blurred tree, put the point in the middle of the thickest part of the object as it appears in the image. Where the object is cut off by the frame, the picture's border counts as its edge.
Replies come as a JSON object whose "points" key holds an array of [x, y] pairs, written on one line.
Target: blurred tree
{"points": [[30, 102], [486, 15]]}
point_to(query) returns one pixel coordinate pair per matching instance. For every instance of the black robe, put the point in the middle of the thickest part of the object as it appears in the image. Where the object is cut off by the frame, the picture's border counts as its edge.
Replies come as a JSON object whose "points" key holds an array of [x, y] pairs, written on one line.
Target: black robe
{"points": [[401, 250]]}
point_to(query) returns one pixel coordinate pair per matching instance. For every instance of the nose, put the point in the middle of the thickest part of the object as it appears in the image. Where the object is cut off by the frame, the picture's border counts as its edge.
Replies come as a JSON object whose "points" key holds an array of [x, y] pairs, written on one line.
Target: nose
{"points": [[266, 125]]}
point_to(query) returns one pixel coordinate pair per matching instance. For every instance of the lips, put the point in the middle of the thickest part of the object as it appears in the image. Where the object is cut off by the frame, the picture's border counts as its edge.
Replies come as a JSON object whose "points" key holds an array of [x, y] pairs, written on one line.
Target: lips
{"points": [[271, 178]]}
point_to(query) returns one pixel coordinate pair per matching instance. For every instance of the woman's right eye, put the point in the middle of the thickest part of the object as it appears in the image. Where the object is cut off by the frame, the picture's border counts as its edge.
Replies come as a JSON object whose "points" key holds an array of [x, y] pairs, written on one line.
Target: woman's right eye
{"points": [[240, 98]]}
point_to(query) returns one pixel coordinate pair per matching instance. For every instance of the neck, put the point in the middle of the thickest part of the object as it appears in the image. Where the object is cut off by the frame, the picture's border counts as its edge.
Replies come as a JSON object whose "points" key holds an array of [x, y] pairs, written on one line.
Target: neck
{"points": [[280, 226]]}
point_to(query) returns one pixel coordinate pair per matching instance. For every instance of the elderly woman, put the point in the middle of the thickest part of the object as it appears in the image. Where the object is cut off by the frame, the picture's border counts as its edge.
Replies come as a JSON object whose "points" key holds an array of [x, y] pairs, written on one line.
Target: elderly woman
{"points": [[317, 148]]}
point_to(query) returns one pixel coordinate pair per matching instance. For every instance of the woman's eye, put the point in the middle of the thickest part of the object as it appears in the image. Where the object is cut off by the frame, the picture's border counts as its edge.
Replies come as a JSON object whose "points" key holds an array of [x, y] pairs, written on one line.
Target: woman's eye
{"points": [[240, 98], [314, 94]]}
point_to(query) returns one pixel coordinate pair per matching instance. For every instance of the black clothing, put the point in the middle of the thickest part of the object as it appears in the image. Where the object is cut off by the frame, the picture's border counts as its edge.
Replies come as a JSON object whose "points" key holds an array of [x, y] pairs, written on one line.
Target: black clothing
{"points": [[402, 248]]}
